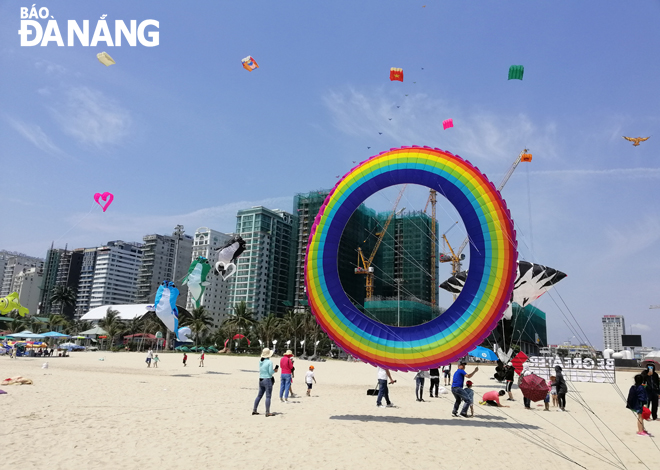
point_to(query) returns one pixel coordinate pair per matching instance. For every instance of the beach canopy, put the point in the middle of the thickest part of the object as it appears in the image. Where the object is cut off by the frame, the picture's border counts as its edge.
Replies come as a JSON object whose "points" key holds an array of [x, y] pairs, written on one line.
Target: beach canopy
{"points": [[97, 330], [25, 334], [54, 334], [483, 353], [126, 312]]}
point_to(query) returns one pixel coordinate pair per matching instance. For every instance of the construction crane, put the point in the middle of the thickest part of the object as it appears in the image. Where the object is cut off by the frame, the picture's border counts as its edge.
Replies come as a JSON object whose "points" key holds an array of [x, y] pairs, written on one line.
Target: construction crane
{"points": [[364, 265], [456, 257], [432, 200]]}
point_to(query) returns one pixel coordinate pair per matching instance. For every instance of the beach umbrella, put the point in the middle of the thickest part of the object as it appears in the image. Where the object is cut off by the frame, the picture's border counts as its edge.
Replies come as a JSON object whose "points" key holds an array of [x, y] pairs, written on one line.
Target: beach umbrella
{"points": [[185, 349], [483, 353], [533, 387]]}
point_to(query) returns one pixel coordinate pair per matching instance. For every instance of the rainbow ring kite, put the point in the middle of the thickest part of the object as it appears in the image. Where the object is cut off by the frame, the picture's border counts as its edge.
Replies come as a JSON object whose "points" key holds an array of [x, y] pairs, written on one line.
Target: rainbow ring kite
{"points": [[487, 290]]}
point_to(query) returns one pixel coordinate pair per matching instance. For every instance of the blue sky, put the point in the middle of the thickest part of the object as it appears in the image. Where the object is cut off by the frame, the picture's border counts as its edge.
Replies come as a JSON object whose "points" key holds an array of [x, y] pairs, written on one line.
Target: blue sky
{"points": [[181, 133]]}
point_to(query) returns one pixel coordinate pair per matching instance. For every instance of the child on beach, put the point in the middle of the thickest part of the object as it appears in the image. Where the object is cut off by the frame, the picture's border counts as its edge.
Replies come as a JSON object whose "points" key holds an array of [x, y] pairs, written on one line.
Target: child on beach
{"points": [[492, 398], [469, 394], [185, 359], [156, 361], [636, 399], [309, 377], [553, 390], [201, 359]]}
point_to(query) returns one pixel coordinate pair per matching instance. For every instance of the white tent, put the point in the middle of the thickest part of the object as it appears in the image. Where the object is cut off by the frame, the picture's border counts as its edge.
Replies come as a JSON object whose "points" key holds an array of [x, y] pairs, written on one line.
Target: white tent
{"points": [[126, 312]]}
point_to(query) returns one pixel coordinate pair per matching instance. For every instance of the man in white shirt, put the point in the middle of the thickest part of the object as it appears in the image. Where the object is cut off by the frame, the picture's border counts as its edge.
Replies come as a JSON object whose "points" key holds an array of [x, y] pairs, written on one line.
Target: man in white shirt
{"points": [[383, 376]]}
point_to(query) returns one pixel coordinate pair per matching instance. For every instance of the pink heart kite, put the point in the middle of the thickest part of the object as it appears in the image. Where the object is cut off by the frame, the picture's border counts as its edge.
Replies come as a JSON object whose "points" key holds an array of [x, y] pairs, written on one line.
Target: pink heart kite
{"points": [[447, 123], [104, 197]]}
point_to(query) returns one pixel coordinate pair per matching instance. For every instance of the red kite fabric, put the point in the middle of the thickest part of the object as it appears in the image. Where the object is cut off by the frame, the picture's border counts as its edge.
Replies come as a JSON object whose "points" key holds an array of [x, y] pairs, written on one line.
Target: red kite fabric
{"points": [[518, 361], [534, 387], [240, 336]]}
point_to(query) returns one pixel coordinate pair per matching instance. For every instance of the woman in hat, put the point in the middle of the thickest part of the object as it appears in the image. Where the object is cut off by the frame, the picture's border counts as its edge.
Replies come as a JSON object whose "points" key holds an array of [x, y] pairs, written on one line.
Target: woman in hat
{"points": [[266, 380], [286, 367]]}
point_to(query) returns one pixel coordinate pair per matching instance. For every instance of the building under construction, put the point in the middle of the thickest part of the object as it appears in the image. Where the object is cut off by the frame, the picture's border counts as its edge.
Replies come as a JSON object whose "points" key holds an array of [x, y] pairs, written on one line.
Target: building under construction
{"points": [[356, 234]]}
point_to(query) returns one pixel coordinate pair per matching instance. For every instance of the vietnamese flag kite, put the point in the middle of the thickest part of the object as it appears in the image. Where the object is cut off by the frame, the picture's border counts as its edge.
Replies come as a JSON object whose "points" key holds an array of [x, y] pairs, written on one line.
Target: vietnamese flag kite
{"points": [[396, 74]]}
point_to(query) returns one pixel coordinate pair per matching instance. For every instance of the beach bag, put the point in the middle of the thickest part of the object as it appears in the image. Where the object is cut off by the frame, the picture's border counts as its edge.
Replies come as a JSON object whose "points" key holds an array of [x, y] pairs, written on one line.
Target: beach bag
{"points": [[373, 391]]}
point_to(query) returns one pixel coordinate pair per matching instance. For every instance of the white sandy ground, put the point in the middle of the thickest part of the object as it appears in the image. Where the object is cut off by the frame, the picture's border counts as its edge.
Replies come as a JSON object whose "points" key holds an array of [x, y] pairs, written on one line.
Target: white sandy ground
{"points": [[84, 413]]}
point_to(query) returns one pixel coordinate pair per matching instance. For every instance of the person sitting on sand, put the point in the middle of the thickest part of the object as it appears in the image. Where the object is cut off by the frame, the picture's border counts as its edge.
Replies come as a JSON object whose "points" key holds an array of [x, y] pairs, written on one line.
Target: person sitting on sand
{"points": [[492, 398]]}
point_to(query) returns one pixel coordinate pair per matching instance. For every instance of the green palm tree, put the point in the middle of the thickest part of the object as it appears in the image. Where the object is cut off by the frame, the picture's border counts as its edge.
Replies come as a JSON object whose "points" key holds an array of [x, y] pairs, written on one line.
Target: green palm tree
{"points": [[199, 322], [56, 322], [112, 324], [64, 295], [268, 328], [34, 325], [292, 326], [242, 320]]}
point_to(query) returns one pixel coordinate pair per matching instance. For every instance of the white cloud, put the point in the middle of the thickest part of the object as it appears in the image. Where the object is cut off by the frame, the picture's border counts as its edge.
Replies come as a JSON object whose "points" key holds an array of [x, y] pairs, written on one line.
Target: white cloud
{"points": [[34, 134], [640, 326], [419, 118], [92, 118], [49, 67]]}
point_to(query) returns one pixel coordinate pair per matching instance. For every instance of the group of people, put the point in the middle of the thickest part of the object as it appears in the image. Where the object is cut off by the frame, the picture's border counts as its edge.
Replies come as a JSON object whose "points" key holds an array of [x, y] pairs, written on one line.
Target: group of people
{"points": [[644, 394], [267, 379]]}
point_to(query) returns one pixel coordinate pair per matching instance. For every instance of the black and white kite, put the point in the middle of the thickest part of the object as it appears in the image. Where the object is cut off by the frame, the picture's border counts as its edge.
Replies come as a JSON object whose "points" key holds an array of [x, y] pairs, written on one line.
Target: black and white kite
{"points": [[228, 254], [532, 281]]}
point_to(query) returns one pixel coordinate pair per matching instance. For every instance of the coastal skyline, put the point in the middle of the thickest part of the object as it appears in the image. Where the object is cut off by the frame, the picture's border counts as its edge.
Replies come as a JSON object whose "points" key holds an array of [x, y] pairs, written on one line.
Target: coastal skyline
{"points": [[182, 134]]}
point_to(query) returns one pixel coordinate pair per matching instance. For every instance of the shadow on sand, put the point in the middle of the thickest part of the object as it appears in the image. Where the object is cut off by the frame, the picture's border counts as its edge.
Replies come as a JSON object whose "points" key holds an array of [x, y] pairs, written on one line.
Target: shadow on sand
{"points": [[480, 421]]}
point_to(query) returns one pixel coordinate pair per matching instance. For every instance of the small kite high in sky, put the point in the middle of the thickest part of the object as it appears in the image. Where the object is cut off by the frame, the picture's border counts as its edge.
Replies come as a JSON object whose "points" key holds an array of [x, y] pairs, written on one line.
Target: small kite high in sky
{"points": [[447, 123], [105, 59], [396, 74], [249, 63], [636, 140], [105, 197], [516, 72]]}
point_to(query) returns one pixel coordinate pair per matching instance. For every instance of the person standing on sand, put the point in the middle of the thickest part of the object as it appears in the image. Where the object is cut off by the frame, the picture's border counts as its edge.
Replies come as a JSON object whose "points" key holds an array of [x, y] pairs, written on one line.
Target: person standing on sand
{"points": [[525, 372], [150, 356], [185, 359], [156, 361], [637, 398], [383, 375], [435, 381], [286, 369], [509, 372], [266, 380], [457, 389], [201, 359], [562, 388], [419, 384], [309, 377], [446, 371], [652, 384]]}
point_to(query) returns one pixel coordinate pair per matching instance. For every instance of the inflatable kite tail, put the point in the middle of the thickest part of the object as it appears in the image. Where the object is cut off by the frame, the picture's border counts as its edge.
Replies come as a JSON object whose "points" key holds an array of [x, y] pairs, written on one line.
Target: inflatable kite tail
{"points": [[231, 273]]}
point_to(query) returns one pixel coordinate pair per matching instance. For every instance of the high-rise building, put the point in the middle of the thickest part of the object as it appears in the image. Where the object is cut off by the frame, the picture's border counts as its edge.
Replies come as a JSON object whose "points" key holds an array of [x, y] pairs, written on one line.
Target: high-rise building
{"points": [[164, 257], [27, 284], [49, 278], [84, 297], [14, 264], [264, 272], [216, 295], [62, 268], [613, 327], [356, 234], [108, 275]]}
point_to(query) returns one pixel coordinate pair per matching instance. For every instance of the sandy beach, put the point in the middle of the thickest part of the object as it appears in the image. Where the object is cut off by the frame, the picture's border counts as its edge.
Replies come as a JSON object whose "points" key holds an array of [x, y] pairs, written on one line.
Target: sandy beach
{"points": [[108, 410]]}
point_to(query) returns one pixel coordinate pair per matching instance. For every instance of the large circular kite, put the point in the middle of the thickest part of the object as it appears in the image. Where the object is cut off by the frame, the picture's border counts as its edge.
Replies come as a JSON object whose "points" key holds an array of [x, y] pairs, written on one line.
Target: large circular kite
{"points": [[486, 292]]}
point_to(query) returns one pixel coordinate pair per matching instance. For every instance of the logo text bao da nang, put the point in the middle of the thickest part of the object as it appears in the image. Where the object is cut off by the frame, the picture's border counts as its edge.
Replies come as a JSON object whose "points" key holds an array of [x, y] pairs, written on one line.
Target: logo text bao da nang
{"points": [[33, 33]]}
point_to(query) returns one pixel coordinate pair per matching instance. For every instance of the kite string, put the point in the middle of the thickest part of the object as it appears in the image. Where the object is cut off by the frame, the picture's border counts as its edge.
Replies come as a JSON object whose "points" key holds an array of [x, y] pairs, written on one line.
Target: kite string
{"points": [[76, 224]]}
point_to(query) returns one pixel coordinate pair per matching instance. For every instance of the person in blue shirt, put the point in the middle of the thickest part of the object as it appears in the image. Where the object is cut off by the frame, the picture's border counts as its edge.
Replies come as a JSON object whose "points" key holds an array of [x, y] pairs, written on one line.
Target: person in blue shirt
{"points": [[457, 389], [266, 380]]}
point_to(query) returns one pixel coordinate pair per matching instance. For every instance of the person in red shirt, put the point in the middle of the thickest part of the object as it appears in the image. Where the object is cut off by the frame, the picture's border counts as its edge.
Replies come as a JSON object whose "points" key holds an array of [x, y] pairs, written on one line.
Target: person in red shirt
{"points": [[286, 368], [492, 398]]}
